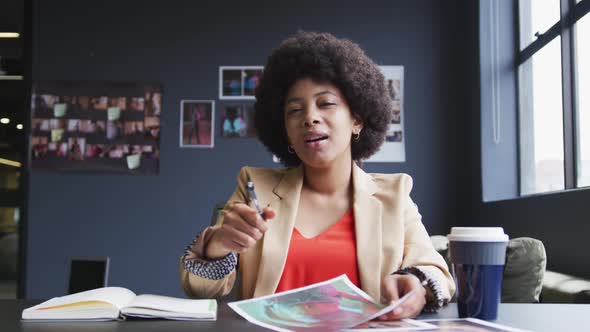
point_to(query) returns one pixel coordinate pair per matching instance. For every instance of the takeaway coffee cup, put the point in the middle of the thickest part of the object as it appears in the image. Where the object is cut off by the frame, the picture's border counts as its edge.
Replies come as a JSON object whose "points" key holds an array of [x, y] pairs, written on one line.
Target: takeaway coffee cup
{"points": [[478, 255]]}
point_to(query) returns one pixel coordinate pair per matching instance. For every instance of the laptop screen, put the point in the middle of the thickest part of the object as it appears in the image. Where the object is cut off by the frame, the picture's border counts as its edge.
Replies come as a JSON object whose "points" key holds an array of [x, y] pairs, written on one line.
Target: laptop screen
{"points": [[86, 274]]}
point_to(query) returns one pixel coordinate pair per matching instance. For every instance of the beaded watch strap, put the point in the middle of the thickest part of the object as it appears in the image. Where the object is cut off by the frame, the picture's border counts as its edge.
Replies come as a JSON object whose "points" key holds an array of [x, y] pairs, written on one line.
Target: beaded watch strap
{"points": [[434, 297], [209, 269]]}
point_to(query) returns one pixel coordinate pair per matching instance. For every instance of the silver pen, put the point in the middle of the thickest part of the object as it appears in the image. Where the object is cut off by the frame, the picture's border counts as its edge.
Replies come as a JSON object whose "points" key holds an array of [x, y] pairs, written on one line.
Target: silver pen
{"points": [[252, 197]]}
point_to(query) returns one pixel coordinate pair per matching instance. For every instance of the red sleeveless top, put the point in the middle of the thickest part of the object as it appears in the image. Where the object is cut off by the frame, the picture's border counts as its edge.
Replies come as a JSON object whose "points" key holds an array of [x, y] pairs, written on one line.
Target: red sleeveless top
{"points": [[322, 257]]}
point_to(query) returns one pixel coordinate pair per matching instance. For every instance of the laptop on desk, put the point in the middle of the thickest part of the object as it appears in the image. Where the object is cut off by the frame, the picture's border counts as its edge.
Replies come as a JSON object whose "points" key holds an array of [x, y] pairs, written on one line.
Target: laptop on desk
{"points": [[88, 273]]}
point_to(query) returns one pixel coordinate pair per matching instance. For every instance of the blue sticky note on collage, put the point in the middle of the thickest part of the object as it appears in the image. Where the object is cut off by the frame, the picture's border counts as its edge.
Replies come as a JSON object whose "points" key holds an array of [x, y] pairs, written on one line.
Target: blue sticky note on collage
{"points": [[113, 113], [59, 110], [133, 161]]}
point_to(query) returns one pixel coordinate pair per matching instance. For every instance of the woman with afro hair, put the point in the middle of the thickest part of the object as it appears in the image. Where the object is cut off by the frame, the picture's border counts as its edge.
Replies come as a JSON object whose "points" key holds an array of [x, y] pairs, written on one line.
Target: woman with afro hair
{"points": [[322, 106]]}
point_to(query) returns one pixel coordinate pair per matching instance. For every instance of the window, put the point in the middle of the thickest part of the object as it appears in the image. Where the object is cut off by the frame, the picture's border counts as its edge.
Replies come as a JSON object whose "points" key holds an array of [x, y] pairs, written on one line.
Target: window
{"points": [[542, 161], [582, 29], [536, 17], [553, 84]]}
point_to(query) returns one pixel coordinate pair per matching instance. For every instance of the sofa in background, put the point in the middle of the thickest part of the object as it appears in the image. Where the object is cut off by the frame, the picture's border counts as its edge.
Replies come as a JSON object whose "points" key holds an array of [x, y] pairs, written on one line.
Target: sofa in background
{"points": [[563, 288]]}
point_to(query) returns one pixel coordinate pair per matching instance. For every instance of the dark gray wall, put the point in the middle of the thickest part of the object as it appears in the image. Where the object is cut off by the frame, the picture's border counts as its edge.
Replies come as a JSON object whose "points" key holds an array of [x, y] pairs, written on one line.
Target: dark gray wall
{"points": [[143, 223]]}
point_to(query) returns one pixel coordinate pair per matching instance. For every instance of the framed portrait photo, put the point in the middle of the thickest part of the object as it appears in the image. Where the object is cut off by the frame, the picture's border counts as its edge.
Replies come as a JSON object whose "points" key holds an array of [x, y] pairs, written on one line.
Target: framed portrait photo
{"points": [[197, 118], [237, 121]]}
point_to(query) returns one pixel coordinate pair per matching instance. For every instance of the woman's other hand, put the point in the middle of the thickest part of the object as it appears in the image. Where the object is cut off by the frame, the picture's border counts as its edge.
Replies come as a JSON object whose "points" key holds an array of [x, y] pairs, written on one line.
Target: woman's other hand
{"points": [[394, 286]]}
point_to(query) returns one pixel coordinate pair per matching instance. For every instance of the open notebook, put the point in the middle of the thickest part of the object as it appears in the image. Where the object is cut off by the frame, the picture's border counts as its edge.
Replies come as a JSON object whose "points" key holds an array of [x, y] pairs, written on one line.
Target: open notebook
{"points": [[111, 303]]}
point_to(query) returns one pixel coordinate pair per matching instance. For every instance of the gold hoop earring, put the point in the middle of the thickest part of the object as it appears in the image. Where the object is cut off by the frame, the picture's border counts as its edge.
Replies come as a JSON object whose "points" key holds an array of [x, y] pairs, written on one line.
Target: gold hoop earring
{"points": [[356, 137], [290, 149]]}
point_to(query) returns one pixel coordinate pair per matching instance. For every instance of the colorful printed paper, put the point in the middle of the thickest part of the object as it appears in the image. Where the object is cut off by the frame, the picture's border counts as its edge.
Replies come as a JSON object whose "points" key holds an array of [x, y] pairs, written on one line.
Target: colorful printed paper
{"points": [[392, 326], [331, 305], [470, 324]]}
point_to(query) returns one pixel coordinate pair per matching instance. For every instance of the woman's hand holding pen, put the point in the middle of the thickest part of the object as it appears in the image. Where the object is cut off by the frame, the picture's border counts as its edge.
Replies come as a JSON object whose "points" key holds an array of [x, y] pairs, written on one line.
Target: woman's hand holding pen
{"points": [[242, 227]]}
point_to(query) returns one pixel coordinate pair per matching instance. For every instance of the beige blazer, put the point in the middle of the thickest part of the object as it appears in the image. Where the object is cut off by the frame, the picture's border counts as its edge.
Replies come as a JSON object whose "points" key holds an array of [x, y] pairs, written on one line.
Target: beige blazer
{"points": [[389, 234]]}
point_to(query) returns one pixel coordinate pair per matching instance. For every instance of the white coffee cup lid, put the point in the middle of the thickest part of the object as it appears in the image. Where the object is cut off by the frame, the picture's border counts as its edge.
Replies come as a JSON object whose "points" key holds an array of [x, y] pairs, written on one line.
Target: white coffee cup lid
{"points": [[478, 234]]}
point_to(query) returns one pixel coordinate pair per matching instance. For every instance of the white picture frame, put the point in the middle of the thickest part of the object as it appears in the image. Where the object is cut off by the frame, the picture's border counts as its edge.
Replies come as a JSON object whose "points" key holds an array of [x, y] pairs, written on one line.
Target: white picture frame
{"points": [[229, 77]]}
